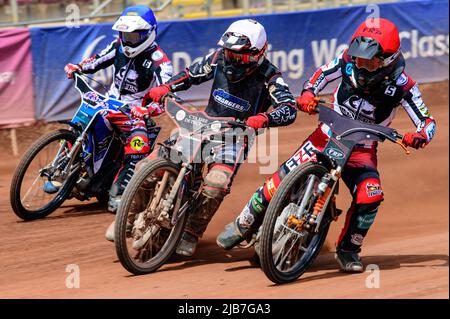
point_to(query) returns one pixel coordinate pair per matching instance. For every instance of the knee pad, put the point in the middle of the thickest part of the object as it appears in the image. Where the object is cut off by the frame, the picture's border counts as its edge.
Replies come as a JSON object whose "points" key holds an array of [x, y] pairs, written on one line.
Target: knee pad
{"points": [[217, 181], [369, 191]]}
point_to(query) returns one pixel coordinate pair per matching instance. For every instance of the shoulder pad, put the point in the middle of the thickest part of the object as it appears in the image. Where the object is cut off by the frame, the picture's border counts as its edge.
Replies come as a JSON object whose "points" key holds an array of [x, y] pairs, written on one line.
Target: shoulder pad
{"points": [[268, 69]]}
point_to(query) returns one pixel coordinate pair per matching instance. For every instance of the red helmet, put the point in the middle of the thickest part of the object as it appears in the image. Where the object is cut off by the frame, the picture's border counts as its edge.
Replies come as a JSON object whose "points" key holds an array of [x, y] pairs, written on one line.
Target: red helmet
{"points": [[375, 51]]}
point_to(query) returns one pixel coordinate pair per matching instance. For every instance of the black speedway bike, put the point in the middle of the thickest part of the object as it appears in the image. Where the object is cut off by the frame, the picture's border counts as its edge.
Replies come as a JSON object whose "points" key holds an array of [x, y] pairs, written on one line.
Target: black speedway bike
{"points": [[300, 213], [163, 192]]}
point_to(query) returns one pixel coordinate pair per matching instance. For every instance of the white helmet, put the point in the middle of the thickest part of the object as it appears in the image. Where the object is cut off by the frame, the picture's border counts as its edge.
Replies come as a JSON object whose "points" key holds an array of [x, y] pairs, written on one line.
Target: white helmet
{"points": [[244, 45], [137, 29], [249, 28]]}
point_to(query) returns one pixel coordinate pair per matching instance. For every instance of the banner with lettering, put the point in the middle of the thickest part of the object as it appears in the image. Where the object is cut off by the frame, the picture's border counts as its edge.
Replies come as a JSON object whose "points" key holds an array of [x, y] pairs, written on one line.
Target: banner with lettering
{"points": [[300, 42]]}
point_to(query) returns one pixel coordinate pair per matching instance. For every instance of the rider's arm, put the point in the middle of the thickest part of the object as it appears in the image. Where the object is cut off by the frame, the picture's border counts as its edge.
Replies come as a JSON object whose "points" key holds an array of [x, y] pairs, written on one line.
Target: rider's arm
{"points": [[283, 102], [101, 60], [326, 73], [197, 73], [417, 110]]}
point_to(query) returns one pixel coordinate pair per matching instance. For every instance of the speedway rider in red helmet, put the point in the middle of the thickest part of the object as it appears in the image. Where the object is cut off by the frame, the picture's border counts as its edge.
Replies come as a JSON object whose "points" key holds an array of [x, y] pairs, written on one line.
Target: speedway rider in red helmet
{"points": [[244, 86], [373, 85]]}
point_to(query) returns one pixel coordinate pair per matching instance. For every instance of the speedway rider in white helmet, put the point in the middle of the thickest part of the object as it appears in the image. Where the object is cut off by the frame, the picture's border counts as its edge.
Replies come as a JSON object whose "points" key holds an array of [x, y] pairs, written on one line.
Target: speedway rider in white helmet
{"points": [[139, 64], [245, 85]]}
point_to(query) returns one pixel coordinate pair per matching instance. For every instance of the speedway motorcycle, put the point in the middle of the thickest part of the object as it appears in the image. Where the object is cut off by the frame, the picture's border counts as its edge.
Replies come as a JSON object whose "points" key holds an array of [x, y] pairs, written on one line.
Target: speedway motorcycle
{"points": [[80, 161], [300, 213], [160, 196]]}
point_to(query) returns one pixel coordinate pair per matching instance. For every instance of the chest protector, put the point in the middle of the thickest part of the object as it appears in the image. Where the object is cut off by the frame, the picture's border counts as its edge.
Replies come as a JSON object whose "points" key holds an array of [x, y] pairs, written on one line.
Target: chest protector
{"points": [[241, 99]]}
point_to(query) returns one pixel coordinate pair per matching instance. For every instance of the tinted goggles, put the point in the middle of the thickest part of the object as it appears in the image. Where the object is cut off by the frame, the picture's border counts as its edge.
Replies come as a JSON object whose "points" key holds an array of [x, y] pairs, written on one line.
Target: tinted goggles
{"points": [[369, 64], [241, 58], [133, 38]]}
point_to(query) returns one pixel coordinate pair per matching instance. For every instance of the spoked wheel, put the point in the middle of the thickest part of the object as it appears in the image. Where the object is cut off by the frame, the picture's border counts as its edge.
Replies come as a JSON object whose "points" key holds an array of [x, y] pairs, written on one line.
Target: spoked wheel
{"points": [[38, 188], [143, 241], [287, 248]]}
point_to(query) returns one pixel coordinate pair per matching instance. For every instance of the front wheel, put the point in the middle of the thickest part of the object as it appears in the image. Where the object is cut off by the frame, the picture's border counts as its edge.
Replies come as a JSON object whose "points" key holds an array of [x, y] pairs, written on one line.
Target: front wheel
{"points": [[144, 241], [38, 188], [286, 252]]}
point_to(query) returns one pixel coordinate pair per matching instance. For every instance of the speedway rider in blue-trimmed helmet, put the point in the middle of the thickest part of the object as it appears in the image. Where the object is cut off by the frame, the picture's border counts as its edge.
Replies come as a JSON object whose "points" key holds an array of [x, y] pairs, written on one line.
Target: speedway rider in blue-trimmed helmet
{"points": [[137, 29], [139, 64]]}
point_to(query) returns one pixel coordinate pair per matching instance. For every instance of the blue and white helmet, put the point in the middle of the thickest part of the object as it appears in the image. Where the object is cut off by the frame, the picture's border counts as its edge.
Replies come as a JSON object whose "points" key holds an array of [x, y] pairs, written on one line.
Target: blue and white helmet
{"points": [[137, 29]]}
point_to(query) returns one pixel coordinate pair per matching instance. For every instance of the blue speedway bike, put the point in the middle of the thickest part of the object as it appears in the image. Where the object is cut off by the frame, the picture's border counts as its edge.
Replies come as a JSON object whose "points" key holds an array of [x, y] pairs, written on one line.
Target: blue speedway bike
{"points": [[78, 162]]}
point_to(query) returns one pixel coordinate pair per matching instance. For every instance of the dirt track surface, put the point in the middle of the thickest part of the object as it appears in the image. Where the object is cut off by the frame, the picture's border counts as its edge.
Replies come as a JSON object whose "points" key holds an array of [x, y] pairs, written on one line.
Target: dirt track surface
{"points": [[409, 240]]}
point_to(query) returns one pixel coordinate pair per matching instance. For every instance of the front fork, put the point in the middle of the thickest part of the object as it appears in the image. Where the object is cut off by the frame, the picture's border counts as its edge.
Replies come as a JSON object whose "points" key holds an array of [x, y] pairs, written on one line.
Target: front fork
{"points": [[325, 192]]}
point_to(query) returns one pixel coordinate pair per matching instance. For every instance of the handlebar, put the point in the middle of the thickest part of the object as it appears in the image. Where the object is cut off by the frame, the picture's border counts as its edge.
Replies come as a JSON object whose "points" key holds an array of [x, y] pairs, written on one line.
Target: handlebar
{"points": [[237, 123], [397, 139]]}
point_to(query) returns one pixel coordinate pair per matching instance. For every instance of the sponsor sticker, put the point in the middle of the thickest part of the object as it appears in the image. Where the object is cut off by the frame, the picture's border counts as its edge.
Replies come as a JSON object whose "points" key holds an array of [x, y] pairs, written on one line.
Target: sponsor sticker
{"points": [[334, 153], [303, 155], [231, 101], [157, 55], [357, 239], [257, 203], [137, 143], [122, 27], [373, 189], [348, 68], [365, 221], [246, 218], [180, 115], [402, 80], [430, 130]]}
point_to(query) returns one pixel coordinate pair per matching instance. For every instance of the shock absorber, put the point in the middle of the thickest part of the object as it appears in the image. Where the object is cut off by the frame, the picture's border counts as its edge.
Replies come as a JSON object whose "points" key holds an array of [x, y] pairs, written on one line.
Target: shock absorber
{"points": [[325, 187]]}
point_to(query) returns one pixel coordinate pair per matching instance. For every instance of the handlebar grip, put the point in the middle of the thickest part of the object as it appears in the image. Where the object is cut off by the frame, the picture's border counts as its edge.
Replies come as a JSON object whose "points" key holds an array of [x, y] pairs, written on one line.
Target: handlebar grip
{"points": [[237, 124]]}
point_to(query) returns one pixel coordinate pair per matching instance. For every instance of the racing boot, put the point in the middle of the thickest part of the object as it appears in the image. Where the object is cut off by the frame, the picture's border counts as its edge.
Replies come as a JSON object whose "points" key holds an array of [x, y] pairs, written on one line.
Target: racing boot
{"points": [[349, 261], [232, 235], [245, 225], [196, 226]]}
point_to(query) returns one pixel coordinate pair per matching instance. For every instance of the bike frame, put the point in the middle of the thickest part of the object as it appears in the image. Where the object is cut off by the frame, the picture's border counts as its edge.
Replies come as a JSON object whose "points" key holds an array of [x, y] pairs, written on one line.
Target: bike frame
{"points": [[344, 134]]}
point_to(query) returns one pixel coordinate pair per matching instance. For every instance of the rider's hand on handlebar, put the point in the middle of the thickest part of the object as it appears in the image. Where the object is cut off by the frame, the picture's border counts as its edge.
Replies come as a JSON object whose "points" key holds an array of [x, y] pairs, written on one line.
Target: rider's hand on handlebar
{"points": [[139, 112], [307, 102], [155, 109], [71, 68], [155, 94], [257, 121], [416, 140]]}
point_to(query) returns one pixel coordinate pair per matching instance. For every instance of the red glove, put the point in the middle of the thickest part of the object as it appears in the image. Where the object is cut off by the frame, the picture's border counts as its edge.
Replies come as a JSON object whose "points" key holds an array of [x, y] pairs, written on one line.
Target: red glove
{"points": [[258, 121], [155, 94], [416, 140], [421, 138], [70, 68], [307, 102], [155, 109], [139, 111]]}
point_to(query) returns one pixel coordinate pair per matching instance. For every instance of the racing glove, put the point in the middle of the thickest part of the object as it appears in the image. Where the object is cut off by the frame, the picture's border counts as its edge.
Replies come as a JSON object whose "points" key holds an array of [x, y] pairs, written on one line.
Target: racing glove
{"points": [[70, 68], [416, 140], [423, 135], [155, 94], [257, 121], [307, 102], [139, 111], [155, 109]]}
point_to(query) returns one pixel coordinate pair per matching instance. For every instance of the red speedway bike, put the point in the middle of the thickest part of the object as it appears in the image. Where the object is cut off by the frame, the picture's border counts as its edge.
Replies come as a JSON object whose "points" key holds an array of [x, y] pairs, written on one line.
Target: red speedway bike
{"points": [[300, 213]]}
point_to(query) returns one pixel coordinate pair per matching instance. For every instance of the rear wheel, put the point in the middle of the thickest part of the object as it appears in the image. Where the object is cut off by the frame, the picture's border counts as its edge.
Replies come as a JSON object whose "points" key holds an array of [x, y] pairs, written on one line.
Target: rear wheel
{"points": [[37, 187], [286, 252], [144, 243]]}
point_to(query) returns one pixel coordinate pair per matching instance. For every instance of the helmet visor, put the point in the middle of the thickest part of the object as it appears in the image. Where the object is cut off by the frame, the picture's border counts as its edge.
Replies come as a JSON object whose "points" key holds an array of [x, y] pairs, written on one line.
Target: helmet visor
{"points": [[133, 38], [238, 57], [242, 58], [370, 65]]}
